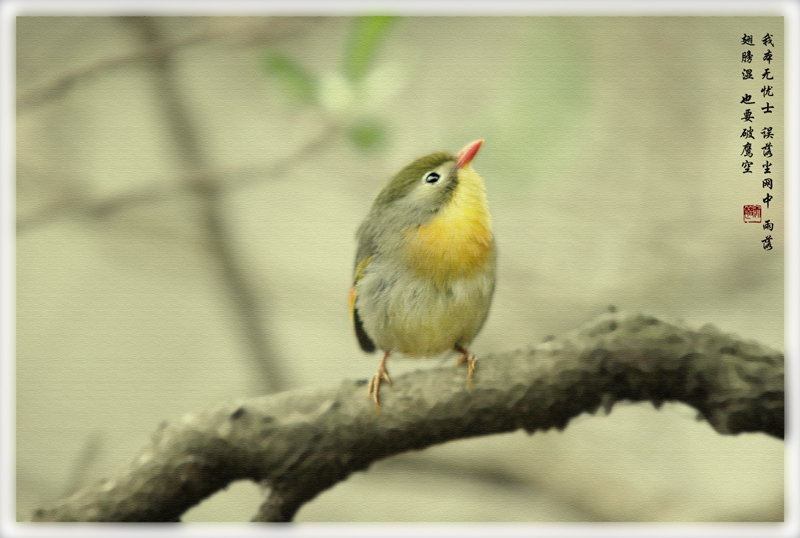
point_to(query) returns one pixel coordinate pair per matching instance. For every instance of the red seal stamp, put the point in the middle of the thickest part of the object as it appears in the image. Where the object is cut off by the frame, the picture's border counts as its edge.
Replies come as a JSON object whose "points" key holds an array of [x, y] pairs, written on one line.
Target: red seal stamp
{"points": [[752, 213]]}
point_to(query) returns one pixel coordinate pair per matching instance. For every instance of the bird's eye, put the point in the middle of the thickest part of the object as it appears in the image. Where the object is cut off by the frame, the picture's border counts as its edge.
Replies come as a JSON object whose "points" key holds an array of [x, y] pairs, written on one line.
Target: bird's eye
{"points": [[432, 177]]}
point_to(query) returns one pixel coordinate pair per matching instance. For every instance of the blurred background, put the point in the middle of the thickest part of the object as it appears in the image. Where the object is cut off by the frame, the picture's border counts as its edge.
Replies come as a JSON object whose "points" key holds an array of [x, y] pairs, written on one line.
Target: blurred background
{"points": [[188, 191]]}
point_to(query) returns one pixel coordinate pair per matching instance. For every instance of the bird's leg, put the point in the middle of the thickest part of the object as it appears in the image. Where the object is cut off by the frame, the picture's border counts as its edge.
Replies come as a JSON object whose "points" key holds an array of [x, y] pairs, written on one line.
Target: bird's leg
{"points": [[470, 359], [375, 382]]}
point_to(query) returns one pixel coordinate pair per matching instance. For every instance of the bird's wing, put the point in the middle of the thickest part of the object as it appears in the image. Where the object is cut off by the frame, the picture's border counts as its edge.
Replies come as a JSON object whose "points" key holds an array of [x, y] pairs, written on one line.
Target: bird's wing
{"points": [[364, 340]]}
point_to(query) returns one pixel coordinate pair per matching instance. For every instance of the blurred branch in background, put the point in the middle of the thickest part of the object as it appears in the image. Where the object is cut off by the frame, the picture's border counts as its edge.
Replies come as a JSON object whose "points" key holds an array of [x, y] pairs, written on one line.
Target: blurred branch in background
{"points": [[202, 179], [77, 203], [247, 36], [86, 459], [301, 443], [205, 186], [307, 88], [489, 472]]}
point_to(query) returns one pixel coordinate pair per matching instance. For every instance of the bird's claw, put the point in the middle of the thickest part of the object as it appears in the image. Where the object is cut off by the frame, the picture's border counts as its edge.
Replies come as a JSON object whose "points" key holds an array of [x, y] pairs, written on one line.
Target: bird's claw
{"points": [[471, 361], [375, 384]]}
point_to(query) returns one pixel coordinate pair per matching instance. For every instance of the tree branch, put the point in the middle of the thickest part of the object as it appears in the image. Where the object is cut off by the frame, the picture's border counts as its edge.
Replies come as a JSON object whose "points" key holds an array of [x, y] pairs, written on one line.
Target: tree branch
{"points": [[162, 190], [158, 51], [305, 441], [183, 128], [248, 36]]}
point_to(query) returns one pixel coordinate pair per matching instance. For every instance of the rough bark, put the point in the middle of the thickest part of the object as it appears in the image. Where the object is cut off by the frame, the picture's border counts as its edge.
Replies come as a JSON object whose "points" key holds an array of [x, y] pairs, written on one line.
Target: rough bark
{"points": [[302, 442]]}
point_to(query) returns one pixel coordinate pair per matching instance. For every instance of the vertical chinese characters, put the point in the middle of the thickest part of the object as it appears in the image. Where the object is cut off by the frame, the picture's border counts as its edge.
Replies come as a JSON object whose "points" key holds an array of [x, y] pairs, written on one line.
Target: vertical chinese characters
{"points": [[752, 213]]}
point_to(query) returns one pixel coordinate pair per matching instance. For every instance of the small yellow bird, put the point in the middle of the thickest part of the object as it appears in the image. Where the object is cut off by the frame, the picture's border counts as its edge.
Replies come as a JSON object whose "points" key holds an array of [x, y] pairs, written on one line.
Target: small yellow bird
{"points": [[425, 264]]}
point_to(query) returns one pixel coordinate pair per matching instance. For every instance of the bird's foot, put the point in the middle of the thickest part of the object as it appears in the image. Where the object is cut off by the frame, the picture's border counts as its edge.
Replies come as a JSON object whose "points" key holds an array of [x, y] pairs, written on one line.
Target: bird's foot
{"points": [[375, 382], [471, 360]]}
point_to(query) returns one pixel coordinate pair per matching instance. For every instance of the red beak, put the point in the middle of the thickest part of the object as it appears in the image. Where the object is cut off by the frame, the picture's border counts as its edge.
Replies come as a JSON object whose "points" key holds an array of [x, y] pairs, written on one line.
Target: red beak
{"points": [[466, 155]]}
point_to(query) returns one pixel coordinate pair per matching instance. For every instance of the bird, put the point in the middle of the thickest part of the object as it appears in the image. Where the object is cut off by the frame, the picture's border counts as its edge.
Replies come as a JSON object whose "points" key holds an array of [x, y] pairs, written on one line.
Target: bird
{"points": [[425, 265]]}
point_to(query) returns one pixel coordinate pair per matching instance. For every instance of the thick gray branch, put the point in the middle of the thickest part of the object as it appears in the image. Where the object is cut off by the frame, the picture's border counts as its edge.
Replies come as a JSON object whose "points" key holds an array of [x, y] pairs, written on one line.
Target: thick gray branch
{"points": [[303, 442]]}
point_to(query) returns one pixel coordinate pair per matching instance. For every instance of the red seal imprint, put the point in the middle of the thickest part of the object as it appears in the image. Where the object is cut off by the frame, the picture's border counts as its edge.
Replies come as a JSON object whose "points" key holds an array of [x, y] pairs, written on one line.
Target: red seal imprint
{"points": [[752, 213]]}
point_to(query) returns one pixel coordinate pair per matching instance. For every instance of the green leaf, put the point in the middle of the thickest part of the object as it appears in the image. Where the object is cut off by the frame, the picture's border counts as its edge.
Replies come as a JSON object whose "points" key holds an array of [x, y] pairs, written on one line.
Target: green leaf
{"points": [[367, 35], [298, 82], [368, 134]]}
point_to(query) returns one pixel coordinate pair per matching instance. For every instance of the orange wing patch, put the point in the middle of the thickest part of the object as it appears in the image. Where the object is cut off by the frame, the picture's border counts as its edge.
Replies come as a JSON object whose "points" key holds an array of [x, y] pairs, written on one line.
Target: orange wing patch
{"points": [[364, 340]]}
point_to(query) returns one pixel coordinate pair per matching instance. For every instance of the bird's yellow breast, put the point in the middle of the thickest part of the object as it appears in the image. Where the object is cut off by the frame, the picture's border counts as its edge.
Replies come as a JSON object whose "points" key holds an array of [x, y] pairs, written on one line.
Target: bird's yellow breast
{"points": [[458, 241]]}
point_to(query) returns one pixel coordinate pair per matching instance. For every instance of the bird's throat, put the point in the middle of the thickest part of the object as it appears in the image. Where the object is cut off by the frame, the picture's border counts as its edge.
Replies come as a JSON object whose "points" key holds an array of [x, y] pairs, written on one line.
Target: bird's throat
{"points": [[458, 241]]}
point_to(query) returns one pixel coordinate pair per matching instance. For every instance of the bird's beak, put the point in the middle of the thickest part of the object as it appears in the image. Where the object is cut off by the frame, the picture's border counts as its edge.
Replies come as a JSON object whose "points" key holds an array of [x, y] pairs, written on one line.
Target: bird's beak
{"points": [[466, 155]]}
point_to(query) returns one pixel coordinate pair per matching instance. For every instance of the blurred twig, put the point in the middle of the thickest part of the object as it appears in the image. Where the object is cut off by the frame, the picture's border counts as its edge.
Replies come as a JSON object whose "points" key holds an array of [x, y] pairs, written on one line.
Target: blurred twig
{"points": [[60, 85], [86, 459], [205, 185], [54, 88], [229, 179], [302, 442], [201, 179], [490, 472]]}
